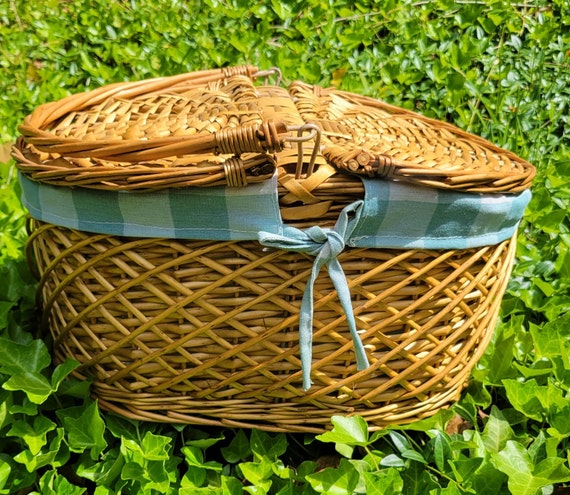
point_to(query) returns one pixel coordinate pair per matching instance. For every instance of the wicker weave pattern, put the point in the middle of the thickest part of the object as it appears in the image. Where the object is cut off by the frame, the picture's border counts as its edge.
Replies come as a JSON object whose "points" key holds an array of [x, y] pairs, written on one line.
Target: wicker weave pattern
{"points": [[194, 127], [370, 137], [207, 333]]}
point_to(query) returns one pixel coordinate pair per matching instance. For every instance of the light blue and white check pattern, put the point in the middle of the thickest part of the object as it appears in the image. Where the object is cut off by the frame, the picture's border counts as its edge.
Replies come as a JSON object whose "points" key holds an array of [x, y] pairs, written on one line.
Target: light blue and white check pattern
{"points": [[394, 214], [406, 216], [209, 213]]}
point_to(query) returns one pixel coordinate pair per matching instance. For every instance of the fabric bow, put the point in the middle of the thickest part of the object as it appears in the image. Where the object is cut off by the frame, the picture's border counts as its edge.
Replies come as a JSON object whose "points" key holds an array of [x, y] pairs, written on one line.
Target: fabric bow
{"points": [[325, 244]]}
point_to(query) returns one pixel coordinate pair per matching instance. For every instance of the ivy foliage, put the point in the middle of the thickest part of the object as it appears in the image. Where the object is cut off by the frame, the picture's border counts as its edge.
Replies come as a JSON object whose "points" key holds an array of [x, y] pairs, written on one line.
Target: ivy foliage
{"points": [[496, 68]]}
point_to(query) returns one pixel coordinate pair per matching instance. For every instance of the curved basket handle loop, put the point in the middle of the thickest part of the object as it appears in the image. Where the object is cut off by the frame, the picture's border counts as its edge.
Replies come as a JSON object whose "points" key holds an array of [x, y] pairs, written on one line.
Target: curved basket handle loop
{"points": [[314, 132], [269, 72]]}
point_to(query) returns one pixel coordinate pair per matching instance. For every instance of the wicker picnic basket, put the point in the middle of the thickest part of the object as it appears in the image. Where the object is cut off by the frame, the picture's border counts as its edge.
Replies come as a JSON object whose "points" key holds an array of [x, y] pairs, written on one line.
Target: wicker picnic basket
{"points": [[208, 331]]}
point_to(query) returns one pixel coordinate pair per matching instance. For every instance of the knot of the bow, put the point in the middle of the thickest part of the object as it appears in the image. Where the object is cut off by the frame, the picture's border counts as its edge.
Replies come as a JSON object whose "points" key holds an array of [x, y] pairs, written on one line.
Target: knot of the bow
{"points": [[325, 245]]}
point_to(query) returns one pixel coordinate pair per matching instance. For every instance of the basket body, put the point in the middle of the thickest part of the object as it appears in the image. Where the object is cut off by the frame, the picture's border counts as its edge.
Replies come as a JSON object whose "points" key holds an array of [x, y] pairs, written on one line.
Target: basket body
{"points": [[214, 331], [207, 333]]}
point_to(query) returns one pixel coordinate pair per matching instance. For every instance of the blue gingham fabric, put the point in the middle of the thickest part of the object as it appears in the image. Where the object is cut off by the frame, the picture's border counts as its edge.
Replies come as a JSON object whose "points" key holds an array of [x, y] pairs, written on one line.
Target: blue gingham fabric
{"points": [[400, 215], [394, 214], [209, 213]]}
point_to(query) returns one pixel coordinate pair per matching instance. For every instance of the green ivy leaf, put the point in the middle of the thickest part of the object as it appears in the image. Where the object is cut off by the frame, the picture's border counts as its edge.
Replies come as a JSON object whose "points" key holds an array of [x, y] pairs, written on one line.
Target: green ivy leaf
{"points": [[349, 430], [52, 483], [105, 472], [265, 445], [135, 472], [404, 447], [497, 362], [5, 470], [194, 478], [553, 339], [524, 477], [238, 449], [5, 403], [148, 462], [259, 474], [25, 406], [203, 440], [17, 479], [486, 479], [54, 454], [152, 448], [231, 486], [465, 469], [560, 419], [335, 481], [36, 386], [417, 480], [383, 482], [121, 427], [85, 429], [194, 457], [497, 431], [33, 432], [436, 422], [61, 372], [524, 397], [5, 308], [25, 363]]}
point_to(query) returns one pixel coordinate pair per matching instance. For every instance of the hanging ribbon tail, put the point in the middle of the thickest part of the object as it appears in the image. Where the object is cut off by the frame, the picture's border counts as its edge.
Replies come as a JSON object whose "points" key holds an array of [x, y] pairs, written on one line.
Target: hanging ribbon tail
{"points": [[326, 245], [339, 281], [306, 328]]}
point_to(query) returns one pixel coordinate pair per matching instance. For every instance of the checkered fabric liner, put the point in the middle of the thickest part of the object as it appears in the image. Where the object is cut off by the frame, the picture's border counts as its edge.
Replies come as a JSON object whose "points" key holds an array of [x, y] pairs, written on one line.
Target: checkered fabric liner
{"points": [[394, 214]]}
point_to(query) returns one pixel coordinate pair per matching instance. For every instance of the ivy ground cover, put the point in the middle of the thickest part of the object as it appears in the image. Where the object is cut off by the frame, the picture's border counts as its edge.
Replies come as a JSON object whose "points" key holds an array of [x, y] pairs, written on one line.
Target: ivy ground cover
{"points": [[496, 68]]}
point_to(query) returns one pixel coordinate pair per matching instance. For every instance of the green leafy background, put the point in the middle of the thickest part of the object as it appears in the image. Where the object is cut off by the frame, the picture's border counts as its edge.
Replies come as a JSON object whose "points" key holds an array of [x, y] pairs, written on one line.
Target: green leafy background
{"points": [[495, 68]]}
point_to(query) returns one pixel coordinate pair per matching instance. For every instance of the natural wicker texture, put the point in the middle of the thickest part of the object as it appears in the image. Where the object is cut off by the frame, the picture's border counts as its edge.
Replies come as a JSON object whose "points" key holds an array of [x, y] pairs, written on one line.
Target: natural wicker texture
{"points": [[179, 131], [206, 333], [367, 136]]}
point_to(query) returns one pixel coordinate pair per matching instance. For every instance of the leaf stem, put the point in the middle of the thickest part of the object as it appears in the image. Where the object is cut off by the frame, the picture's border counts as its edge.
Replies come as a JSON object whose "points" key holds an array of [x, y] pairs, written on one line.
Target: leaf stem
{"points": [[369, 452]]}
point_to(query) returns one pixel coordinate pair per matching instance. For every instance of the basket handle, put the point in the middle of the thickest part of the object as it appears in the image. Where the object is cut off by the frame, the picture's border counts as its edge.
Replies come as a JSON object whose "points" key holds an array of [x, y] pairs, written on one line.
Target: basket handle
{"points": [[269, 136], [253, 138], [267, 73], [314, 133]]}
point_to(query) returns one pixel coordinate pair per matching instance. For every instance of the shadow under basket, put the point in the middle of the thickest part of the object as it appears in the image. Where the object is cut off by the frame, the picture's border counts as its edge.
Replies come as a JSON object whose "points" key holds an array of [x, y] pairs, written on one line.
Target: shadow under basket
{"points": [[207, 333]]}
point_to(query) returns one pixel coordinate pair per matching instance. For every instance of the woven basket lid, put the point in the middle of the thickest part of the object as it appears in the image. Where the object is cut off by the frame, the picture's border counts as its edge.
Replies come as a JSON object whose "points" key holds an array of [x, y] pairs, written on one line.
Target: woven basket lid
{"points": [[220, 127]]}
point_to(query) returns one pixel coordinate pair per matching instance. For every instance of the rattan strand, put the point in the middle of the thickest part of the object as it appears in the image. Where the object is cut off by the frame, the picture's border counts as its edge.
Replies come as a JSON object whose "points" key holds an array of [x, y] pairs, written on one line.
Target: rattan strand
{"points": [[156, 124], [206, 333]]}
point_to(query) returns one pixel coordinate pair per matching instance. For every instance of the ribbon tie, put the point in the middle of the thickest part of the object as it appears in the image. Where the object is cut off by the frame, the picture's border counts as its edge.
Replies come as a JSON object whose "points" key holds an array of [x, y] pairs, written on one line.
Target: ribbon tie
{"points": [[325, 244]]}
